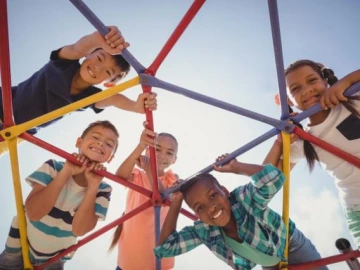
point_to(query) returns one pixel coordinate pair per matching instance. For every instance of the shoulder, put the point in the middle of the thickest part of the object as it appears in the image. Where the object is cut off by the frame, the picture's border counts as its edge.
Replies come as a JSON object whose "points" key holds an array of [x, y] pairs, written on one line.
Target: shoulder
{"points": [[61, 62]]}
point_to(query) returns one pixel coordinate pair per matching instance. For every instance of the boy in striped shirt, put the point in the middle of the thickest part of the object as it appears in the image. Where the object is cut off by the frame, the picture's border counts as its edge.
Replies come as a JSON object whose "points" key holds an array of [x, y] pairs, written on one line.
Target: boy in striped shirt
{"points": [[66, 200], [238, 226]]}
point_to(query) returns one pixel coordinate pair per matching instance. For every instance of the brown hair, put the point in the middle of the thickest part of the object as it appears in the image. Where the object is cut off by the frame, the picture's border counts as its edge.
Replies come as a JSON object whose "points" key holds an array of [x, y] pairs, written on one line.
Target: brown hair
{"points": [[329, 75], [105, 124]]}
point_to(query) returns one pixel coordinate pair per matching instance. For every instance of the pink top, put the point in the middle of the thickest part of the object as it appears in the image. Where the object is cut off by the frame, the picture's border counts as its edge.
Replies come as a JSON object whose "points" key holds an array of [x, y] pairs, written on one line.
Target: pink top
{"points": [[137, 239]]}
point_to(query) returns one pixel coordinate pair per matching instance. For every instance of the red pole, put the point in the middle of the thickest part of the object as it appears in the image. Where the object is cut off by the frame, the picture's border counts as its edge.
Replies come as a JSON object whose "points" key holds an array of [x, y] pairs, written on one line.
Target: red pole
{"points": [[5, 66], [326, 261], [332, 149], [179, 30], [71, 158], [96, 234]]}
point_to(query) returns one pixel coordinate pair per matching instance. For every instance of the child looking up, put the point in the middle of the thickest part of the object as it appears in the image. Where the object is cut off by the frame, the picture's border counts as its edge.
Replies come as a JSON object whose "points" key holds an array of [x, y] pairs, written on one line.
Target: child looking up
{"points": [[63, 80], [66, 200], [136, 237], [238, 227], [338, 123]]}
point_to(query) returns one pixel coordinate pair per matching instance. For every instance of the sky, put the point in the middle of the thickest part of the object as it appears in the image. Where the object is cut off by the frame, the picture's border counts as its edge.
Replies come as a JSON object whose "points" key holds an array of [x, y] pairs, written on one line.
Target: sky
{"points": [[226, 53]]}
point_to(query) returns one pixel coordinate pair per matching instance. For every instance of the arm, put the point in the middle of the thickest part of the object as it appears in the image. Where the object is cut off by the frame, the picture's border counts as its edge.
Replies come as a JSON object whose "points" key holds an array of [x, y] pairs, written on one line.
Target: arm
{"points": [[144, 101], [335, 94], [113, 43], [146, 139], [171, 242], [42, 199], [86, 216]]}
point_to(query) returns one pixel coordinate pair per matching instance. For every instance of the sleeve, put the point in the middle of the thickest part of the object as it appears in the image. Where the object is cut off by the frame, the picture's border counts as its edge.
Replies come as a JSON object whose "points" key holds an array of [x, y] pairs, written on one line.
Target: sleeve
{"points": [[265, 184], [102, 200], [296, 151], [45, 174], [178, 243]]}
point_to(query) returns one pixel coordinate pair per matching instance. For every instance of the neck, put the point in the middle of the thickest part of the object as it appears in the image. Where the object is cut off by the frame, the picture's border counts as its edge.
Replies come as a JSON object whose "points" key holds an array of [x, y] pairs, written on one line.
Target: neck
{"points": [[78, 84], [231, 227], [80, 180], [318, 118]]}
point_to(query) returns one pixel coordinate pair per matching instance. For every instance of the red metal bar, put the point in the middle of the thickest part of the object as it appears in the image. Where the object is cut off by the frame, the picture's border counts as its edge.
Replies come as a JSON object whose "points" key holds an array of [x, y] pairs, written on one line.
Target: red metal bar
{"points": [[5, 67], [71, 158], [179, 30], [326, 261], [96, 234], [332, 149]]}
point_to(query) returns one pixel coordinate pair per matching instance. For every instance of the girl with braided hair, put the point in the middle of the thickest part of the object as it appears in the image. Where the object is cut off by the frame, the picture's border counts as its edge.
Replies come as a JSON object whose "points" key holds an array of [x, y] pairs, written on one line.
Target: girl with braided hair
{"points": [[338, 123]]}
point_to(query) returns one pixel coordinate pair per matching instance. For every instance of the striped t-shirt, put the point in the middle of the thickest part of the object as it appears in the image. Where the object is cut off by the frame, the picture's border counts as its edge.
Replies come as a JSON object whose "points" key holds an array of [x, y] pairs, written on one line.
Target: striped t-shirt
{"points": [[53, 233]]}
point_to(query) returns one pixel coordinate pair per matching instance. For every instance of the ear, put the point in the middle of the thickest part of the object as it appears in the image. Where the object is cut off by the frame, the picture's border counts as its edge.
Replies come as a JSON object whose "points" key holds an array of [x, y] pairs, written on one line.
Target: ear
{"points": [[109, 84], [78, 142], [111, 158], [227, 193]]}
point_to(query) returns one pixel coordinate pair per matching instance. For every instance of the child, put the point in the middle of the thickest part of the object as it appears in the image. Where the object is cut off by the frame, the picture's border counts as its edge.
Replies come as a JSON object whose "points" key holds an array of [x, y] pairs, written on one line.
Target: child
{"points": [[136, 237], [66, 200], [338, 124], [238, 227], [63, 80]]}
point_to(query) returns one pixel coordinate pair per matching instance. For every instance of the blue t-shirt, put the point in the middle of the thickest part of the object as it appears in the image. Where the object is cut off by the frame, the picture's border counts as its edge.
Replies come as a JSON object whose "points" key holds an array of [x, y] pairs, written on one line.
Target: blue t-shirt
{"points": [[46, 90]]}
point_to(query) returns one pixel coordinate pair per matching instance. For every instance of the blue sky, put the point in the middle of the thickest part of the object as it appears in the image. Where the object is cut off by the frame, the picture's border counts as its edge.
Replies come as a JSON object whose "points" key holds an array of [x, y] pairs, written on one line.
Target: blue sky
{"points": [[226, 53]]}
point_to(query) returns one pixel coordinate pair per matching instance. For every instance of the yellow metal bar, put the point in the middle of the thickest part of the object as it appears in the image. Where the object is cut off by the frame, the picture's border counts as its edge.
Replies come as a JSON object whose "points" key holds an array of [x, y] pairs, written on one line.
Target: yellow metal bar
{"points": [[14, 131], [19, 201], [286, 191]]}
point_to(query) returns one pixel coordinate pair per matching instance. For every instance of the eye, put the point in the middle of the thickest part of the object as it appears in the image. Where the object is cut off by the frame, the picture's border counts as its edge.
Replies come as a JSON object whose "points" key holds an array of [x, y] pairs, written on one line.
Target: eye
{"points": [[98, 57], [96, 138], [169, 153], [294, 89], [157, 149], [109, 144], [199, 209], [311, 80], [212, 196], [108, 72]]}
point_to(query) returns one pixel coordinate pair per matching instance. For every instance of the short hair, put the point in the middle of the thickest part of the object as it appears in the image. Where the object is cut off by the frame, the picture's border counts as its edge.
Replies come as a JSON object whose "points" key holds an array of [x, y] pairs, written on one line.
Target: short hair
{"points": [[170, 136], [105, 124], [200, 177]]}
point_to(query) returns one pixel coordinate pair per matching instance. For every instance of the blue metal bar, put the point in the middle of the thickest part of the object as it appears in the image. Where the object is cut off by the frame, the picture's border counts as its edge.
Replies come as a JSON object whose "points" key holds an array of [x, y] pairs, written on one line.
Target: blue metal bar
{"points": [[155, 82], [95, 21], [157, 212], [317, 108], [275, 30], [231, 156]]}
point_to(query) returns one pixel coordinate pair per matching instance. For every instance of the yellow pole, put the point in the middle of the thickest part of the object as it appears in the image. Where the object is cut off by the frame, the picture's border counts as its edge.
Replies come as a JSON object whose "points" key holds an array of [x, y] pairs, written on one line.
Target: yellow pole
{"points": [[12, 143], [286, 191], [18, 129]]}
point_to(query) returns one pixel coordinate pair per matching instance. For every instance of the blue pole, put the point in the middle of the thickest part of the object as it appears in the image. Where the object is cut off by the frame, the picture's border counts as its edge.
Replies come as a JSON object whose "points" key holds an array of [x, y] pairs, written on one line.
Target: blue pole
{"points": [[275, 30], [231, 156], [157, 232], [155, 82], [95, 21]]}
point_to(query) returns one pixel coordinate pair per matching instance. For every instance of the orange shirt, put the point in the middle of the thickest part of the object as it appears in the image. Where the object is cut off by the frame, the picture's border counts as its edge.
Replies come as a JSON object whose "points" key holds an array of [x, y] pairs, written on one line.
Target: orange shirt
{"points": [[137, 239]]}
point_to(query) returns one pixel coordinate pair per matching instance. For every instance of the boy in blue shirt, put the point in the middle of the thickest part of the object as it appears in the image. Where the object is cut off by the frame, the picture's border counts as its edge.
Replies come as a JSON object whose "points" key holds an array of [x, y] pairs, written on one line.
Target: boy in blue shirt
{"points": [[238, 227], [63, 80]]}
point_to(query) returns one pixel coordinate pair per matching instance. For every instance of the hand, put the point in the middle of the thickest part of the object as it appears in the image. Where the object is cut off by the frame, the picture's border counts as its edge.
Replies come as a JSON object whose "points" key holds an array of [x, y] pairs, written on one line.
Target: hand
{"points": [[143, 162], [113, 43], [177, 196], [334, 95], [93, 179], [145, 101], [228, 167], [148, 137], [74, 169]]}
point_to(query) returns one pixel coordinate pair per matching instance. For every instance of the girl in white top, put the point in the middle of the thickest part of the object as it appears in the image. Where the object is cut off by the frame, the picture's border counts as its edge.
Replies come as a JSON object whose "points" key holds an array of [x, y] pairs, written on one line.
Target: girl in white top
{"points": [[338, 123]]}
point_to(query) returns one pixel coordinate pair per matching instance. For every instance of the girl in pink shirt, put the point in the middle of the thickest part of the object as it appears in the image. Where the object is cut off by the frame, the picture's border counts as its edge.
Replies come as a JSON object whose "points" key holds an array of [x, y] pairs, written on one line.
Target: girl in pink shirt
{"points": [[136, 236]]}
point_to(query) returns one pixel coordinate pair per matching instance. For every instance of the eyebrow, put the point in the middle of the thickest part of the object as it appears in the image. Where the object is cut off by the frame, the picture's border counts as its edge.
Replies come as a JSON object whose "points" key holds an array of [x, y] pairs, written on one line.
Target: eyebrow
{"points": [[207, 192], [97, 133]]}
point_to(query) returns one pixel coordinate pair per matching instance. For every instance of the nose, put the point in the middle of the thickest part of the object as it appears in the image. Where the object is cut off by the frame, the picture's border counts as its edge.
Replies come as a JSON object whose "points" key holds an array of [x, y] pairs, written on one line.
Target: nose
{"points": [[100, 143], [307, 90], [212, 209]]}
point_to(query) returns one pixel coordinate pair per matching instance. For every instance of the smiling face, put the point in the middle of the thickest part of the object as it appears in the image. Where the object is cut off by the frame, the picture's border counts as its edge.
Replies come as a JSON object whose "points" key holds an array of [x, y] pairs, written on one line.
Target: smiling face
{"points": [[166, 150], [209, 201], [98, 67], [305, 87], [98, 144]]}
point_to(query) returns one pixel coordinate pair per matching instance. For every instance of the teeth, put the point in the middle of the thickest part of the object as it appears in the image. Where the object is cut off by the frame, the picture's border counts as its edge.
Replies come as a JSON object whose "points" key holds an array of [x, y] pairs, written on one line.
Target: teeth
{"points": [[218, 214], [95, 150], [90, 72]]}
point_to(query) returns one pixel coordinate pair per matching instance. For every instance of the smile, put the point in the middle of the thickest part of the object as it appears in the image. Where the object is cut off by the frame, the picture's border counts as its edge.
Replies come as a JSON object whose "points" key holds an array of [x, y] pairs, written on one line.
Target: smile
{"points": [[90, 72], [96, 150], [218, 214], [311, 100]]}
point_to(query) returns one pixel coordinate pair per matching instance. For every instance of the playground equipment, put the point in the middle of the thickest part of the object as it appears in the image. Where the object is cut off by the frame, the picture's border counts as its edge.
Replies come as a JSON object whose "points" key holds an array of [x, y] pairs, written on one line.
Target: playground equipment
{"points": [[147, 78]]}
